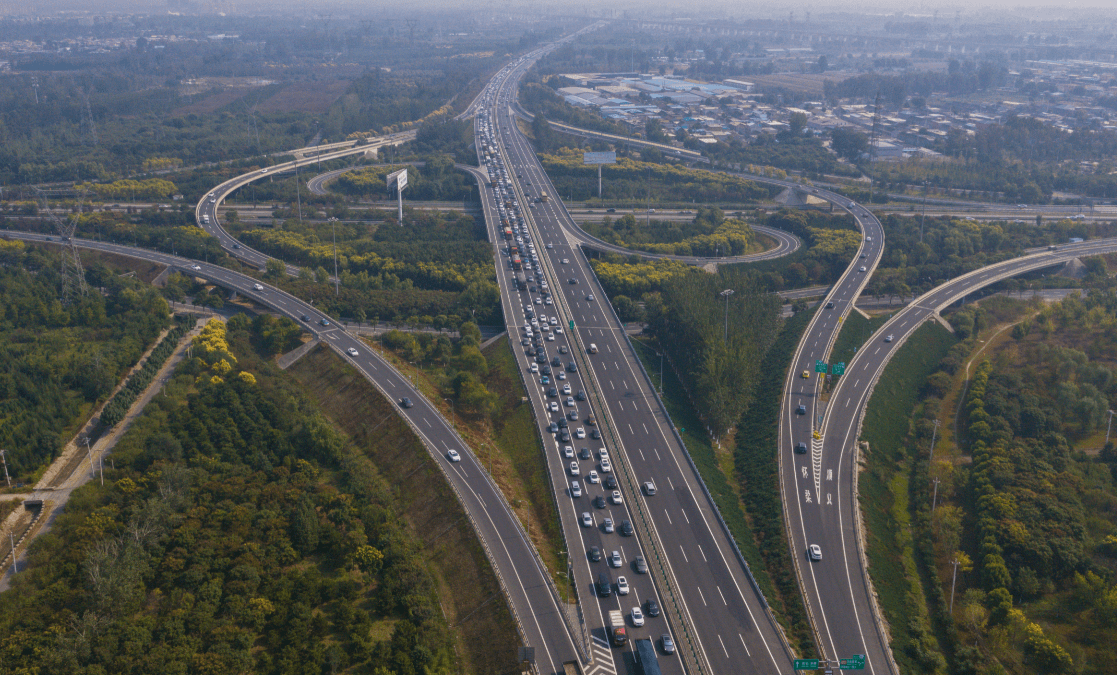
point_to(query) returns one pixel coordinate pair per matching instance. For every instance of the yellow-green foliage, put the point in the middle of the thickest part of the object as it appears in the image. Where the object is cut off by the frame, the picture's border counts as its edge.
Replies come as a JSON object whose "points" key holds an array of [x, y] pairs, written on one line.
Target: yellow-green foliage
{"points": [[150, 189], [841, 243], [441, 275], [732, 237], [161, 163], [568, 161], [212, 346], [635, 280]]}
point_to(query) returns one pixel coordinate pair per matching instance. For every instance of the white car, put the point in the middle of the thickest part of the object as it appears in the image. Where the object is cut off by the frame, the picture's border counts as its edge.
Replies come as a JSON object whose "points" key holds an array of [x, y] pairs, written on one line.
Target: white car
{"points": [[864, 269], [574, 468], [195, 267], [352, 352], [615, 559], [553, 406], [257, 287], [579, 433], [575, 489], [622, 586], [591, 477], [534, 368], [453, 456], [587, 519], [815, 552], [606, 467], [637, 617], [566, 389], [616, 497], [568, 452]]}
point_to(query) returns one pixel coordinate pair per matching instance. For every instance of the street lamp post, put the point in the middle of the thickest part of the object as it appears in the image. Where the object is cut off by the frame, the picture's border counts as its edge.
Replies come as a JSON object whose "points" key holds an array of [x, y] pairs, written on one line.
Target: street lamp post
{"points": [[934, 434], [725, 294], [1107, 428], [952, 582], [4, 459]]}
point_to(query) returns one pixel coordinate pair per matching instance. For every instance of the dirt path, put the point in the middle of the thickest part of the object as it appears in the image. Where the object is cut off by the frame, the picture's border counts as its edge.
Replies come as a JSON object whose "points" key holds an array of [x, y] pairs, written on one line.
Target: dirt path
{"points": [[75, 468]]}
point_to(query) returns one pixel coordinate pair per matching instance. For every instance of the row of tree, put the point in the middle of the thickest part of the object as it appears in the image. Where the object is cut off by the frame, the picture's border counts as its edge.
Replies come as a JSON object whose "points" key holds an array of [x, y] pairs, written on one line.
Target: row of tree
{"points": [[118, 405]]}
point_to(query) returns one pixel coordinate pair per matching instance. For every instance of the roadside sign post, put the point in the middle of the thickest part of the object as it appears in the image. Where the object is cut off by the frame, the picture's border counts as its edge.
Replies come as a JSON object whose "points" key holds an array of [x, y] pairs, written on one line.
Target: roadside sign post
{"points": [[855, 662], [399, 179], [820, 367], [806, 664], [599, 158], [838, 368]]}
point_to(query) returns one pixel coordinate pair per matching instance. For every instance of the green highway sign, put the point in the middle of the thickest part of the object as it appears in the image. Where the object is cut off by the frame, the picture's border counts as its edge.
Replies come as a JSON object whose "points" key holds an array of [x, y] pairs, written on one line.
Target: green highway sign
{"points": [[820, 366], [855, 662], [806, 664], [838, 368], [571, 325]]}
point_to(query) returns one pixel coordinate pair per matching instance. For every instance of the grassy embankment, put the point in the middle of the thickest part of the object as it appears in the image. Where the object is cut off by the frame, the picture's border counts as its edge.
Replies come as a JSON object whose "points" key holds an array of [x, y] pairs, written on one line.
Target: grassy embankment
{"points": [[468, 589], [884, 494], [517, 465]]}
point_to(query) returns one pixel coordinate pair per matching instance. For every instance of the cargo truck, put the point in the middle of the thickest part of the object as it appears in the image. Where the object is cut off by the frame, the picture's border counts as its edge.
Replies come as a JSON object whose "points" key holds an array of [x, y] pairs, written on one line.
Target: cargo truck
{"points": [[645, 658], [616, 628]]}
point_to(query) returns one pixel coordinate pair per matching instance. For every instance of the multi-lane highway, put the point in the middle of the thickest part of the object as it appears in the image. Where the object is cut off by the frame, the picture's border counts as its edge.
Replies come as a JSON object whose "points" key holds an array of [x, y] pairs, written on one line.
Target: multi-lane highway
{"points": [[526, 583], [719, 620], [823, 503]]}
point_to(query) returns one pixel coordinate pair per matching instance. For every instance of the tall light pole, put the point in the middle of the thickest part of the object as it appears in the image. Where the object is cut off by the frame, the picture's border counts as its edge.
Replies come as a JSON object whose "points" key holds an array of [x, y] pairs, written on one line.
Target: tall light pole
{"points": [[725, 294], [952, 582], [924, 219], [935, 498], [337, 279], [8, 478], [1107, 428], [934, 434]]}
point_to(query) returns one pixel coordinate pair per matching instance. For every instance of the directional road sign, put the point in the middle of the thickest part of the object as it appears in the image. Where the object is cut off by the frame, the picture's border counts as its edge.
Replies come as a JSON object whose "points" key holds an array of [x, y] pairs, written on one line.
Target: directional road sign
{"points": [[571, 325], [806, 664], [855, 662], [838, 368], [820, 366]]}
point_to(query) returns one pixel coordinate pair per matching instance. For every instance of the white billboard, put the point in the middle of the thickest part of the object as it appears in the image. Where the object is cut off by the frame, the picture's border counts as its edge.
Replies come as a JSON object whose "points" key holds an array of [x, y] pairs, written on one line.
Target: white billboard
{"points": [[398, 179], [599, 158]]}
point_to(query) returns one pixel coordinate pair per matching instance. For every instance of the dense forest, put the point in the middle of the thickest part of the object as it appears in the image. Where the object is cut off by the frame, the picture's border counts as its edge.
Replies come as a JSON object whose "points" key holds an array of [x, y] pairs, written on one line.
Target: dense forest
{"points": [[239, 531], [59, 361]]}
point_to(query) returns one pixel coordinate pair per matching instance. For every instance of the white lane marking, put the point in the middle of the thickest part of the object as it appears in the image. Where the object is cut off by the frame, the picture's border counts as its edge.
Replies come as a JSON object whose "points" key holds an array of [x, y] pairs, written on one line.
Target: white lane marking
{"points": [[684, 556], [427, 422], [630, 430], [642, 458], [702, 552], [744, 645], [722, 597], [656, 451], [702, 594], [684, 515], [645, 428], [723, 646], [668, 517]]}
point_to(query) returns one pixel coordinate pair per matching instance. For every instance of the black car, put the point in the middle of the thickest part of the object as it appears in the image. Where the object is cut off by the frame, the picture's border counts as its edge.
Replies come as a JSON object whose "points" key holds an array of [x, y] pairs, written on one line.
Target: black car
{"points": [[595, 434], [573, 281], [324, 322], [406, 402], [801, 410], [653, 608], [830, 305], [564, 436], [553, 428], [640, 565], [604, 585], [572, 415], [572, 367], [626, 528], [556, 362], [595, 553], [610, 481], [584, 453], [546, 370], [563, 423], [541, 358], [599, 502], [304, 318], [800, 448], [581, 396], [552, 392]]}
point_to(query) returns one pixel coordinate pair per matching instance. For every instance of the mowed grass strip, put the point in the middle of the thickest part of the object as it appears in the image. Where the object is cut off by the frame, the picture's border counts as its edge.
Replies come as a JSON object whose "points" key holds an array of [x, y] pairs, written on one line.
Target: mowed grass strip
{"points": [[468, 589]]}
